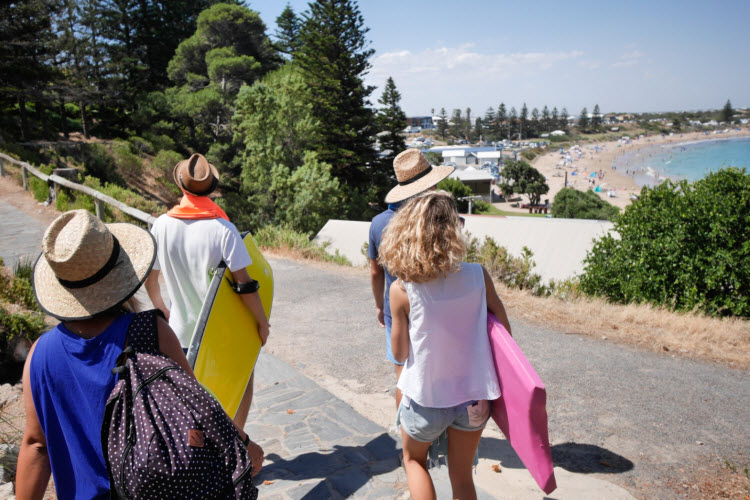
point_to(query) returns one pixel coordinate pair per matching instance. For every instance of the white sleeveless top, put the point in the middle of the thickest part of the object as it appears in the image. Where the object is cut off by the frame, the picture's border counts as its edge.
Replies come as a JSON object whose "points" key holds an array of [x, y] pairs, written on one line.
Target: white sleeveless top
{"points": [[450, 361]]}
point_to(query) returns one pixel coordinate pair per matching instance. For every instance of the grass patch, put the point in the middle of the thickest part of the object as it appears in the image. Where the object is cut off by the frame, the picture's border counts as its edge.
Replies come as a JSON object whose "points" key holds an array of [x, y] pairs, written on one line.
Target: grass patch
{"points": [[493, 210], [296, 244]]}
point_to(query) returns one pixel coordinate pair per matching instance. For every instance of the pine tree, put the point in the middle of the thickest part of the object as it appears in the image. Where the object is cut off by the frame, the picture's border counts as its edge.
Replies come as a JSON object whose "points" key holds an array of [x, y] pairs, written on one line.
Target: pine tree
{"points": [[512, 123], [583, 121], [457, 126], [596, 120], [502, 118], [534, 126], [564, 120], [287, 33], [727, 113], [334, 55], [523, 122], [546, 120], [392, 120], [443, 124]]}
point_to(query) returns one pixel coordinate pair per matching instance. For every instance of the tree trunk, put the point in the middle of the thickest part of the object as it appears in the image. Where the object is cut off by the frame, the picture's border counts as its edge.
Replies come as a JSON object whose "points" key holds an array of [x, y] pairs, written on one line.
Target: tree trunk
{"points": [[84, 120], [63, 120], [24, 121]]}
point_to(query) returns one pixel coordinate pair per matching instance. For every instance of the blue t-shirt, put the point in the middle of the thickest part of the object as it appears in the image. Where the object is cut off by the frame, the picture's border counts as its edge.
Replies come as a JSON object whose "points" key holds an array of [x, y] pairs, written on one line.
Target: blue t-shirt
{"points": [[376, 235], [70, 383]]}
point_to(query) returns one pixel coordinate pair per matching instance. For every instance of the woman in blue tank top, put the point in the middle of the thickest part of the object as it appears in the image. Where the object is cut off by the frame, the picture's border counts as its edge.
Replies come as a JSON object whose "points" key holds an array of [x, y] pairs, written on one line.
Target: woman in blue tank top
{"points": [[86, 274]]}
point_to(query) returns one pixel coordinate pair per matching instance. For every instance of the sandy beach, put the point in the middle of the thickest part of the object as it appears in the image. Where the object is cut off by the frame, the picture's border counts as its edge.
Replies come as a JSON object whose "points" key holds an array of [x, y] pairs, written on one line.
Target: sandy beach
{"points": [[611, 161]]}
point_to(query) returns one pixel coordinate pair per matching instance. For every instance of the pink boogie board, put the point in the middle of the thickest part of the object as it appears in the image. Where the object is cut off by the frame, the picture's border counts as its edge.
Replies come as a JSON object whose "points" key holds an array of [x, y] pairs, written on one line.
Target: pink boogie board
{"points": [[521, 411]]}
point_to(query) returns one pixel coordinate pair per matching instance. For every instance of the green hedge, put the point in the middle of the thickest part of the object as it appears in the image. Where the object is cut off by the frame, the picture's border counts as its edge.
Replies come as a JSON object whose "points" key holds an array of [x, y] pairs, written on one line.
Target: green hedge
{"points": [[285, 238], [684, 246], [573, 204]]}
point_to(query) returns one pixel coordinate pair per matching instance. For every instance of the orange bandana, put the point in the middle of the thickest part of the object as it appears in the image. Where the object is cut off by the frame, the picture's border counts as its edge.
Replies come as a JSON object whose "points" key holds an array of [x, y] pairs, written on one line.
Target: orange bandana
{"points": [[196, 207]]}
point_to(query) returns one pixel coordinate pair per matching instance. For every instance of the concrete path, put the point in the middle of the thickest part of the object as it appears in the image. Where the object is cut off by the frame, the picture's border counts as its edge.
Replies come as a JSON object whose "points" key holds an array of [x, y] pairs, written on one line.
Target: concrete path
{"points": [[318, 447], [21, 235]]}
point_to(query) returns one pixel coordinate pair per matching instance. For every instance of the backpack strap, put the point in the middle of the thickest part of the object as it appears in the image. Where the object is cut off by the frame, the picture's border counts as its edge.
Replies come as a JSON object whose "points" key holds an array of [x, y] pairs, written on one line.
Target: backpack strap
{"points": [[143, 333]]}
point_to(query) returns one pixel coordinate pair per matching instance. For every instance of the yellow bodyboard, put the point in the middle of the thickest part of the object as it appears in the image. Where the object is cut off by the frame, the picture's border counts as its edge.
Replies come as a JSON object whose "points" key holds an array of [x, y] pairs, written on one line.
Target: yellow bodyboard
{"points": [[225, 344]]}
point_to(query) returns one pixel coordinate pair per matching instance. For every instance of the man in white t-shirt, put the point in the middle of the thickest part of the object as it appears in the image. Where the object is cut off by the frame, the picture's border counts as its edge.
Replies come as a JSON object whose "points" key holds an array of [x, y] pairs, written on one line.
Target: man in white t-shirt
{"points": [[191, 240]]}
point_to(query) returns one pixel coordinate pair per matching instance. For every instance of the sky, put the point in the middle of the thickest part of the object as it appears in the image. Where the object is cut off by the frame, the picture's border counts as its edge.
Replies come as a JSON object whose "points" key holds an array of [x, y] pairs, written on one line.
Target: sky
{"points": [[625, 56]]}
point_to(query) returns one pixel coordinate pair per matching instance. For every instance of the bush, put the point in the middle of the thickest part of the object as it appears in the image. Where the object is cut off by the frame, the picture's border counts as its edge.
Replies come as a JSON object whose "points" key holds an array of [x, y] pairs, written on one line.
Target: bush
{"points": [[39, 188], [514, 272], [573, 204], [140, 146], [165, 161], [97, 162], [125, 161], [16, 289], [285, 238], [683, 246], [160, 142], [459, 190]]}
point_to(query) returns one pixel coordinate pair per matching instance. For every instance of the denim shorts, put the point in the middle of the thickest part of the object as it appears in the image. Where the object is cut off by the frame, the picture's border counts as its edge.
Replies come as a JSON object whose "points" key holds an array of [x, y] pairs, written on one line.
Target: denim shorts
{"points": [[427, 424]]}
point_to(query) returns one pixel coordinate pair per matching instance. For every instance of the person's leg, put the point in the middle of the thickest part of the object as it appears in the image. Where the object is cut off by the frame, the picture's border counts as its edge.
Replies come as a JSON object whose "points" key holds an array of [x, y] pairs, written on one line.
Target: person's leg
{"points": [[415, 463], [462, 446], [241, 417]]}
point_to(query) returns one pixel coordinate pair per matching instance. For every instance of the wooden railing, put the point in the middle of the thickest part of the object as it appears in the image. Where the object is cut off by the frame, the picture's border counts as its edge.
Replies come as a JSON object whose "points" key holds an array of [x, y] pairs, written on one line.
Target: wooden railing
{"points": [[55, 180]]}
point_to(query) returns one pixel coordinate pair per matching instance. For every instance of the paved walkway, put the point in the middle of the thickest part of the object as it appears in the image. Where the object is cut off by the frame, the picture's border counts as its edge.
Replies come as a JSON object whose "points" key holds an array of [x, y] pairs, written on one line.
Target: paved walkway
{"points": [[318, 447], [21, 235]]}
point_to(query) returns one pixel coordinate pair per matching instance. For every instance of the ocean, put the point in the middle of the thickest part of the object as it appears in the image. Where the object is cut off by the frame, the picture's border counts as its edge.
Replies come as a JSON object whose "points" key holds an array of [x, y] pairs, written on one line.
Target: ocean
{"points": [[690, 160]]}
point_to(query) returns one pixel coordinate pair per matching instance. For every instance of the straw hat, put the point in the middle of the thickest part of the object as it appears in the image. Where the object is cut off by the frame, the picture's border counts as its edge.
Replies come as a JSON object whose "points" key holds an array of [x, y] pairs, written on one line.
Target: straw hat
{"points": [[196, 176], [88, 267], [414, 174]]}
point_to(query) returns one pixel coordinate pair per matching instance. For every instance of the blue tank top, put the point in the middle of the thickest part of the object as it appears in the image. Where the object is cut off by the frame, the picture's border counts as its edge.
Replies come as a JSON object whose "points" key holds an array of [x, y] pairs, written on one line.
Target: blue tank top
{"points": [[70, 382]]}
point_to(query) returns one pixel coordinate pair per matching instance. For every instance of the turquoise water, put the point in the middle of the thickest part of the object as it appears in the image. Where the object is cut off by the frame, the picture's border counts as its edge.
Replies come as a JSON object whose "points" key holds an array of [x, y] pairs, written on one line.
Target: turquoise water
{"points": [[691, 161]]}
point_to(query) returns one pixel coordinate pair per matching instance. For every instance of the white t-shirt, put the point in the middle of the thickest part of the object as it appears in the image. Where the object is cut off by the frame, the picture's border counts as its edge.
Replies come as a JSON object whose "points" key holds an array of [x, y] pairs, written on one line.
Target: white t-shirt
{"points": [[187, 251], [450, 361]]}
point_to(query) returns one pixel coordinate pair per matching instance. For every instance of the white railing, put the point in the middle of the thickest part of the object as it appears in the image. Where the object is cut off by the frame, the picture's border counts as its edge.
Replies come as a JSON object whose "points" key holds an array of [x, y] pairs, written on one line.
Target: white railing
{"points": [[55, 180]]}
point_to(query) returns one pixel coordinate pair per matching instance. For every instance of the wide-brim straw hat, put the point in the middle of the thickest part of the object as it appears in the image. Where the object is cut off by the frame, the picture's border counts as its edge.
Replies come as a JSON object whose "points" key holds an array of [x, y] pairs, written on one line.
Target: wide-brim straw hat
{"points": [[414, 174], [87, 267], [196, 176]]}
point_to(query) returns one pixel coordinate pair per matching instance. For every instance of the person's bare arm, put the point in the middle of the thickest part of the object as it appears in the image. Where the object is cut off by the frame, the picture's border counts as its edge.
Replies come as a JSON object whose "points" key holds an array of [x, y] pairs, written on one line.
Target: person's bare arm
{"points": [[34, 469], [377, 282], [254, 305], [400, 325], [494, 304], [154, 292]]}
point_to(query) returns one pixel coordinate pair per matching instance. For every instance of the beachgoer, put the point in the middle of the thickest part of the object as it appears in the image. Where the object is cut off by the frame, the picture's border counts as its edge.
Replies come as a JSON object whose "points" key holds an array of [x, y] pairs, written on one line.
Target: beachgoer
{"points": [[192, 239], [439, 306], [415, 175], [85, 277]]}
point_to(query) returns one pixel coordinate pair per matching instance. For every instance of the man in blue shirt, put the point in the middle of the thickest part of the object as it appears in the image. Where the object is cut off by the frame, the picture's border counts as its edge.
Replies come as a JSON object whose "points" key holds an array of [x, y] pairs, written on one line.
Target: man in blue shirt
{"points": [[415, 175]]}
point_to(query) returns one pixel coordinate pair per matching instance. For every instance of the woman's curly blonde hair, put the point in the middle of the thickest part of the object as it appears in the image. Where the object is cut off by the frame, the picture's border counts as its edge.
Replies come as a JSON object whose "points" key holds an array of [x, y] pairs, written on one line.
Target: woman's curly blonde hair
{"points": [[423, 240]]}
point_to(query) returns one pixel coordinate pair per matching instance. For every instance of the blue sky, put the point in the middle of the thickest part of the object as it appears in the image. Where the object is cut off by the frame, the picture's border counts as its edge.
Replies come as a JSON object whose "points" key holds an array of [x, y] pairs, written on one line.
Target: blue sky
{"points": [[623, 55]]}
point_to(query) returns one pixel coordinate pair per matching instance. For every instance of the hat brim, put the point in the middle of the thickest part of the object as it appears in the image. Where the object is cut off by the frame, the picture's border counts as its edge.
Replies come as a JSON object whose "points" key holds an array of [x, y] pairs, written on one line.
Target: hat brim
{"points": [[137, 255], [215, 182], [400, 193]]}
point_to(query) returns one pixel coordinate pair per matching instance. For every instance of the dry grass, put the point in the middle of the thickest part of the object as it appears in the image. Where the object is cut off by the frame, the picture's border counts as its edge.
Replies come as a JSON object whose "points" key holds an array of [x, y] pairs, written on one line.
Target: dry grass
{"points": [[692, 335]]}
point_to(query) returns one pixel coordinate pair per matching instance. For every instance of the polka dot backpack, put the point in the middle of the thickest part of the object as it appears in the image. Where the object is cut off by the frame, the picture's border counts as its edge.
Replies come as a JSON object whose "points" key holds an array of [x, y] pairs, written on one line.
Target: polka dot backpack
{"points": [[163, 435]]}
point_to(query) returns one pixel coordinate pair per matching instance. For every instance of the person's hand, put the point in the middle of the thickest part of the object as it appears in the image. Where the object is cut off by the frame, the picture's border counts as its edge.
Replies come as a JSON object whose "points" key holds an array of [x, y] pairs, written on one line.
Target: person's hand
{"points": [[381, 317], [256, 456], [165, 311], [264, 329]]}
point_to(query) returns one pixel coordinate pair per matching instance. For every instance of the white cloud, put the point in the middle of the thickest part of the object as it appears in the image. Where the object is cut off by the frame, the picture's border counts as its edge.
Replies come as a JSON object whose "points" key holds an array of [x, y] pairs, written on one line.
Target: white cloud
{"points": [[628, 59]]}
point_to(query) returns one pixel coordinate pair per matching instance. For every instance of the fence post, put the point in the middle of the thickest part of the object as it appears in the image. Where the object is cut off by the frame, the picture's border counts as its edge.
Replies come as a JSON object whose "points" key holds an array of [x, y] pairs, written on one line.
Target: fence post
{"points": [[2, 169], [24, 175], [99, 209]]}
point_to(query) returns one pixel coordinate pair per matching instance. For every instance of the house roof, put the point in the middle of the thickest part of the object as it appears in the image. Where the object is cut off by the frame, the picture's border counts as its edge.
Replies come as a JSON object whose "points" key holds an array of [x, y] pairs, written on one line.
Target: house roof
{"points": [[489, 154], [471, 174], [454, 153]]}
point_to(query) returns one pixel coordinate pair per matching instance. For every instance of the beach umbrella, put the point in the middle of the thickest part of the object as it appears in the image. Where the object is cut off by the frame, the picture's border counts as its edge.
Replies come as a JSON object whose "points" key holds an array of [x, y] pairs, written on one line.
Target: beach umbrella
{"points": [[593, 174]]}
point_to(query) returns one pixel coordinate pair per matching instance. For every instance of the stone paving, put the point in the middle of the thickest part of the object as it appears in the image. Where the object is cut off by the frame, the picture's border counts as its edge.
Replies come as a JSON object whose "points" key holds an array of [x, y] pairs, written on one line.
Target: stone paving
{"points": [[21, 235], [318, 447]]}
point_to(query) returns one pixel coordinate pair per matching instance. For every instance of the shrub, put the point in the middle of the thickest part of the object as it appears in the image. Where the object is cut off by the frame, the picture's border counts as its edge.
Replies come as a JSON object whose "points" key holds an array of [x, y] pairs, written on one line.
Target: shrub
{"points": [[18, 324], [16, 288], [160, 142], [285, 238], [140, 146], [165, 161], [573, 204], [459, 190], [683, 246], [39, 188], [97, 162], [514, 272], [125, 161]]}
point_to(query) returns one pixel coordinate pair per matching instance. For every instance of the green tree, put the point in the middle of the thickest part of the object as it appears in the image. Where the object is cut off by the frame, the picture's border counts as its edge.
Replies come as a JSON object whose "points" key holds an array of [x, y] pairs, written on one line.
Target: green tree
{"points": [[443, 124], [534, 124], [456, 125], [287, 32], [513, 124], [596, 120], [501, 121], [573, 204], [583, 121], [727, 113], [520, 177], [459, 190], [523, 123], [681, 245], [563, 123], [334, 55], [228, 49], [275, 126], [391, 121], [546, 122]]}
